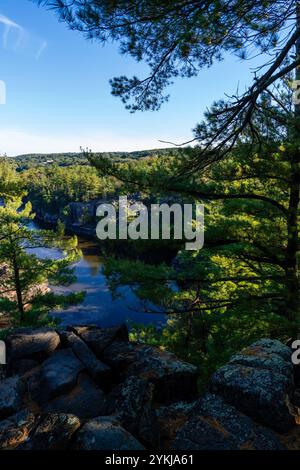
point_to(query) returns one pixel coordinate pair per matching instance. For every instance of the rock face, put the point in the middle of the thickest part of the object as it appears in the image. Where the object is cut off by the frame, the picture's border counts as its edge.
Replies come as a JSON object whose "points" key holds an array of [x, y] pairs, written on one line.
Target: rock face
{"points": [[90, 388], [16, 429], [11, 394], [173, 379], [99, 338], [27, 343], [259, 382], [53, 432], [60, 371], [105, 433], [85, 400], [266, 354], [131, 404], [217, 425], [170, 419], [100, 372]]}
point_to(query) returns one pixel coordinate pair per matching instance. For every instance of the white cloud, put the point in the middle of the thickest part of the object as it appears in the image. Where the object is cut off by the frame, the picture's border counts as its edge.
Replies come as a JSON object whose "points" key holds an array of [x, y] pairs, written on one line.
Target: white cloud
{"points": [[8, 22], [17, 39], [8, 25], [16, 142], [41, 50]]}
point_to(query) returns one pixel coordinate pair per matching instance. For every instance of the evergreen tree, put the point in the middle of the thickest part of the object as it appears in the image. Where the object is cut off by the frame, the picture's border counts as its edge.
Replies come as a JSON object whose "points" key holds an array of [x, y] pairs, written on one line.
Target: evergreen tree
{"points": [[22, 271], [237, 288], [247, 166]]}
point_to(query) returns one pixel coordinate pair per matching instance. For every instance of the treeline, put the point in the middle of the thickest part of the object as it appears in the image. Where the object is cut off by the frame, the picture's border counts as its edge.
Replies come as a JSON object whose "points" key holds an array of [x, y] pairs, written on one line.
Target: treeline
{"points": [[24, 162]]}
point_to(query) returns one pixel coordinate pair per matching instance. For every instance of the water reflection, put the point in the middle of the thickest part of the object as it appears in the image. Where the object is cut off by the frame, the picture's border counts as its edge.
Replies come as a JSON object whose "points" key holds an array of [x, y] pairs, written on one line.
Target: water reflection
{"points": [[98, 307]]}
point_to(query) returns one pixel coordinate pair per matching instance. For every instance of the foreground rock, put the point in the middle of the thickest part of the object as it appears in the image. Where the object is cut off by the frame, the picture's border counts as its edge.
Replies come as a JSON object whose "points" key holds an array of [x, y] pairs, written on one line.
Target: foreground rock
{"points": [[28, 343], [219, 426], [58, 375], [172, 378], [267, 354], [132, 405], [54, 432], [86, 400], [254, 382], [105, 433], [100, 372], [11, 395], [89, 388], [170, 419], [99, 338], [15, 430]]}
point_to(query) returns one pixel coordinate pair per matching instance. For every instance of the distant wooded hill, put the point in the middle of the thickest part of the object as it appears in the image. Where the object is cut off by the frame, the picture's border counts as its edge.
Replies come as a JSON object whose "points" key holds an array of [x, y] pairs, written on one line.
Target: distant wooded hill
{"points": [[65, 159]]}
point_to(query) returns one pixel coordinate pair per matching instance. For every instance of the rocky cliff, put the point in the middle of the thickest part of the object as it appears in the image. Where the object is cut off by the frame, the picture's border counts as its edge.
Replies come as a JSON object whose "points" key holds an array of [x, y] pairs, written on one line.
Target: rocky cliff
{"points": [[90, 388], [79, 218]]}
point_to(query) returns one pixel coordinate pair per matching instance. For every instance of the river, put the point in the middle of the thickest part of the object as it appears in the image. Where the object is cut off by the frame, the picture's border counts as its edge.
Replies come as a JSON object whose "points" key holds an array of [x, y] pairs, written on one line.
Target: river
{"points": [[98, 307]]}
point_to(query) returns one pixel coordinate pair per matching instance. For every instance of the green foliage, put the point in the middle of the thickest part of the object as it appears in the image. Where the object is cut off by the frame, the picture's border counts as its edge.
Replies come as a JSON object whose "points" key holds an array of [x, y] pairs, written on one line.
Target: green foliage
{"points": [[25, 162], [10, 183], [53, 188], [22, 271], [177, 38], [4, 333], [235, 290], [245, 282]]}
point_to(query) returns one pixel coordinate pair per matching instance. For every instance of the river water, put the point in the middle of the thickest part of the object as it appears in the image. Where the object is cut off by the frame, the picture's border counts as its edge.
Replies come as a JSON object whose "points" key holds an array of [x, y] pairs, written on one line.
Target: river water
{"points": [[99, 307]]}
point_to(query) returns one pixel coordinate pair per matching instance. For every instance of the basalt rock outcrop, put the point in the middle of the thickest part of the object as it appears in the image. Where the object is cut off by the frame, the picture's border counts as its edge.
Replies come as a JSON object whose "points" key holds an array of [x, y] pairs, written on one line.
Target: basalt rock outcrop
{"points": [[259, 382], [89, 388]]}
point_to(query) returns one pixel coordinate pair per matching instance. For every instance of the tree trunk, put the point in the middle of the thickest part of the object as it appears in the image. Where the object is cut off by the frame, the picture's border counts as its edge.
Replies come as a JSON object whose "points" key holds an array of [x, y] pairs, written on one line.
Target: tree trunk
{"points": [[18, 287], [292, 277]]}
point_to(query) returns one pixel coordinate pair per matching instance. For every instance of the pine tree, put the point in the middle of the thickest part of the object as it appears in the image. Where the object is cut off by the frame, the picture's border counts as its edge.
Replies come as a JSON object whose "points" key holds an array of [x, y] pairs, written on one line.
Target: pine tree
{"points": [[22, 271], [252, 137]]}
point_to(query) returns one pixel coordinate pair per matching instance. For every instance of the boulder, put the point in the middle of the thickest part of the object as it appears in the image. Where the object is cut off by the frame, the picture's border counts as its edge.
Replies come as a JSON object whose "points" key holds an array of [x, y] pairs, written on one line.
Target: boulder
{"points": [[171, 418], [54, 432], [12, 391], [99, 338], [215, 425], [268, 347], [56, 376], [100, 372], [259, 382], [16, 429], [131, 404], [31, 343], [37, 391], [260, 393], [119, 355], [86, 400], [266, 354], [173, 379], [105, 433]]}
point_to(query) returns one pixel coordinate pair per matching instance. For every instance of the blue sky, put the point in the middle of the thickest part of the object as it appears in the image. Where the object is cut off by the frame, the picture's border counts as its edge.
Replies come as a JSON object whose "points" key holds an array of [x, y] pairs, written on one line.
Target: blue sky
{"points": [[58, 95]]}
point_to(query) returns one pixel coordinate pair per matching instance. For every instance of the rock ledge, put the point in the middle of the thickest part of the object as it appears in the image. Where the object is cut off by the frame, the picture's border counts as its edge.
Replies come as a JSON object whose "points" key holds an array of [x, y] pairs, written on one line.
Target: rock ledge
{"points": [[90, 388]]}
